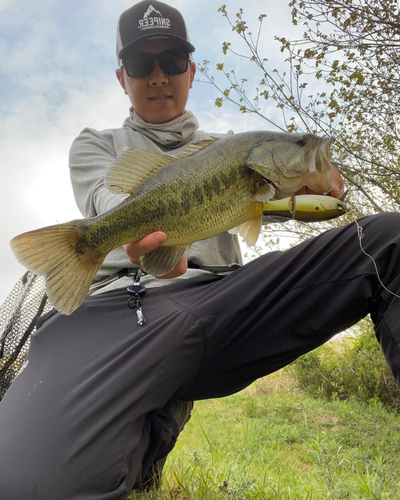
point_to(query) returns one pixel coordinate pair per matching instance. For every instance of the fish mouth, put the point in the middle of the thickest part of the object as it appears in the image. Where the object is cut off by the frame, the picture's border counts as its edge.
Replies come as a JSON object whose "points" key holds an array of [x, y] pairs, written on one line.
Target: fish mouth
{"points": [[318, 177], [318, 158], [325, 148]]}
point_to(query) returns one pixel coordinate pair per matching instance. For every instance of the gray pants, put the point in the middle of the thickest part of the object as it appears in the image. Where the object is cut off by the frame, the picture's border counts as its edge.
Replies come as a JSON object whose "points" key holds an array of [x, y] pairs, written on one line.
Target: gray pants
{"points": [[90, 412]]}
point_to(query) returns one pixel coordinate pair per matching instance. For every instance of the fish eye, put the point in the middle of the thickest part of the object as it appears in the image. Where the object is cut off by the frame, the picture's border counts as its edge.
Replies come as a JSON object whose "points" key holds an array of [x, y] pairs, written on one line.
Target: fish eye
{"points": [[301, 142]]}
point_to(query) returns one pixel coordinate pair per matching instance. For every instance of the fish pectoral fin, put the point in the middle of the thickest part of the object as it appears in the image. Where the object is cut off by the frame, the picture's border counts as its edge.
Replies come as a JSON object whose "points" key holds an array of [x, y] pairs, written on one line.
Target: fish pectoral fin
{"points": [[264, 193], [132, 167], [249, 230], [162, 260], [52, 252]]}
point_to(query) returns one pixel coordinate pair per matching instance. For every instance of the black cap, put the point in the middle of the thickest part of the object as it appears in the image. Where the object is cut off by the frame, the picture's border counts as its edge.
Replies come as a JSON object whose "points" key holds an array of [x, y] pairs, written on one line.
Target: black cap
{"points": [[150, 20]]}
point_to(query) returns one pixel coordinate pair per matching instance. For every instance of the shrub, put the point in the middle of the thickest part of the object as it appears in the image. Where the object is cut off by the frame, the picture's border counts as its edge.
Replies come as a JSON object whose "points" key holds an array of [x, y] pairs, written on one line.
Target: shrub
{"points": [[352, 366]]}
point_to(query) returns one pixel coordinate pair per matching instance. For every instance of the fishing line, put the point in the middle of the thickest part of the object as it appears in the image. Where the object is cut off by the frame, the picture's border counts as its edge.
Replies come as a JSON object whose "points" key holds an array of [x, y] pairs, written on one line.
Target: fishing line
{"points": [[361, 235]]}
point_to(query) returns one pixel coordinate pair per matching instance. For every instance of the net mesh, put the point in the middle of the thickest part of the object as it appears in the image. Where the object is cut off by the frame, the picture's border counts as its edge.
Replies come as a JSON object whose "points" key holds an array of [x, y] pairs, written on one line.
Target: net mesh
{"points": [[24, 305]]}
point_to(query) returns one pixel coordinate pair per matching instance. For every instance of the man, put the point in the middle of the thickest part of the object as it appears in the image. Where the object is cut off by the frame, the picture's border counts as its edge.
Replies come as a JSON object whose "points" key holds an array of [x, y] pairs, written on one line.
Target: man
{"points": [[98, 402]]}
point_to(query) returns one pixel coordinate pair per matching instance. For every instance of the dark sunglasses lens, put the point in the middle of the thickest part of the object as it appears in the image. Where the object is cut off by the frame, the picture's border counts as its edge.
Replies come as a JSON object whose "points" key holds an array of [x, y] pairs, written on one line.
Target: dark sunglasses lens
{"points": [[142, 65], [174, 63], [171, 63]]}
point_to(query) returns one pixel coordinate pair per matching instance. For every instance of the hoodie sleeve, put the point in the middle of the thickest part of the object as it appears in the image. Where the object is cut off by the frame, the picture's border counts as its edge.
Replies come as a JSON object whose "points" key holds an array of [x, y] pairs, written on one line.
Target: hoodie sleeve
{"points": [[90, 158]]}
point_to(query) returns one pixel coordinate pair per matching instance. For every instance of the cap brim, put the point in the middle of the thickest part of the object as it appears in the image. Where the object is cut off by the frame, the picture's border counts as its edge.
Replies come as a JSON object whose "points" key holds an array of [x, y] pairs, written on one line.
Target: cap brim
{"points": [[126, 50]]}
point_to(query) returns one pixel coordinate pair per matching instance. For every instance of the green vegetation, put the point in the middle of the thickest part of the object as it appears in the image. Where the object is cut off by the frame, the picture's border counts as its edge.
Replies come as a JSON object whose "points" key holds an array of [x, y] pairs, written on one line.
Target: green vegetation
{"points": [[274, 441], [352, 368]]}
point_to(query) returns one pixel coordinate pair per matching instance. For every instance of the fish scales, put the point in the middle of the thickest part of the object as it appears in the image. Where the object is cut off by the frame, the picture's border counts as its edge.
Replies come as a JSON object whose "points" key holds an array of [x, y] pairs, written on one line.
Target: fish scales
{"points": [[196, 192]]}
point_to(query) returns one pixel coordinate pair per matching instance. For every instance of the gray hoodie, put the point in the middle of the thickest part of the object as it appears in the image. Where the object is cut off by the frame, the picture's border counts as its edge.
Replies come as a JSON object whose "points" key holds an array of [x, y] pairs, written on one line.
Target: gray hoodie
{"points": [[91, 155]]}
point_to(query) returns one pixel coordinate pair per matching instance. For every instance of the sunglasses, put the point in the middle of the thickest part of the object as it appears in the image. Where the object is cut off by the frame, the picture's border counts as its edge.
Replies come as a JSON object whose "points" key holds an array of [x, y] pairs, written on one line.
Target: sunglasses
{"points": [[172, 62]]}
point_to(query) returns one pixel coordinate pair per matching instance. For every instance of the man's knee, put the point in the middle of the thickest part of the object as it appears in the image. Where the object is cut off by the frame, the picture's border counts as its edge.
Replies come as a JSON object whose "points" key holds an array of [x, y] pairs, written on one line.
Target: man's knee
{"points": [[382, 222], [380, 229]]}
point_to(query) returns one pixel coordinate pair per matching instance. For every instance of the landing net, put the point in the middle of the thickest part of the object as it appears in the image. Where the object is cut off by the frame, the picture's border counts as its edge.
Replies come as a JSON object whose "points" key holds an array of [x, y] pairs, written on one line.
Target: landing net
{"points": [[19, 313]]}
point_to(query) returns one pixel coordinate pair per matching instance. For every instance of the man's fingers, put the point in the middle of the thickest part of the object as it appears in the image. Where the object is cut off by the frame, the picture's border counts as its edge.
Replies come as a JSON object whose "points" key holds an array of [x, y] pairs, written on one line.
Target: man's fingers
{"points": [[145, 245], [337, 185], [150, 242]]}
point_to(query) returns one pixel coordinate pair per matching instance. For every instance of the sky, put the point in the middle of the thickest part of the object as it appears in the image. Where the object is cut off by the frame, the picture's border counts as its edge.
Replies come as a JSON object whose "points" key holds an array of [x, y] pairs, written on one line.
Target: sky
{"points": [[57, 76]]}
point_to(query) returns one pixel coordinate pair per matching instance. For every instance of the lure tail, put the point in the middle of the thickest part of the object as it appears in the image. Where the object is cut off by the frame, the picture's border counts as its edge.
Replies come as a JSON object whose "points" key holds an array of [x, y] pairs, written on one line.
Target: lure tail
{"points": [[57, 253]]}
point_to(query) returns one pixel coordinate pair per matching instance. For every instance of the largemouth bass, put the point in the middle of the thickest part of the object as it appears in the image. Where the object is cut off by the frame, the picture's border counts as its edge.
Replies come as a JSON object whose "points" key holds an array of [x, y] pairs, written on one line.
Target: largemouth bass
{"points": [[212, 187]]}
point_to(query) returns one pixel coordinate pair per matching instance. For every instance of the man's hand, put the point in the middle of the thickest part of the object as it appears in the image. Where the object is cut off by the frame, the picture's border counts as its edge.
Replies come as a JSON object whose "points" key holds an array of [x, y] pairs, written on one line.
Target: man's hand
{"points": [[150, 242], [337, 185]]}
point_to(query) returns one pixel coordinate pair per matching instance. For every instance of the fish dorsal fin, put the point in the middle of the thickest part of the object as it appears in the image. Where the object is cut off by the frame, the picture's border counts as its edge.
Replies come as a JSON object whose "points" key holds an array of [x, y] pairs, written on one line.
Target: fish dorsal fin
{"points": [[249, 230], [191, 149], [162, 260], [132, 167]]}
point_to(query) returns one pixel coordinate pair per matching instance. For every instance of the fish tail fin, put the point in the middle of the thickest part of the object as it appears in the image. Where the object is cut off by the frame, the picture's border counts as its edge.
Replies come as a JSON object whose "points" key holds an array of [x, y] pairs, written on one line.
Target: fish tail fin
{"points": [[57, 253]]}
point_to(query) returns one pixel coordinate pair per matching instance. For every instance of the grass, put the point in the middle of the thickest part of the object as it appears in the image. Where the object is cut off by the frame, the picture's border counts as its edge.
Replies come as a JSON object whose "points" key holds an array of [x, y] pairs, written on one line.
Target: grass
{"points": [[273, 442]]}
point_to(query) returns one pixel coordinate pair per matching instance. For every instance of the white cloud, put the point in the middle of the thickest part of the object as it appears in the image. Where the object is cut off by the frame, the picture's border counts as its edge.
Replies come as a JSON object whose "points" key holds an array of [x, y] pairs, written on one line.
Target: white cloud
{"points": [[4, 4], [35, 141]]}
